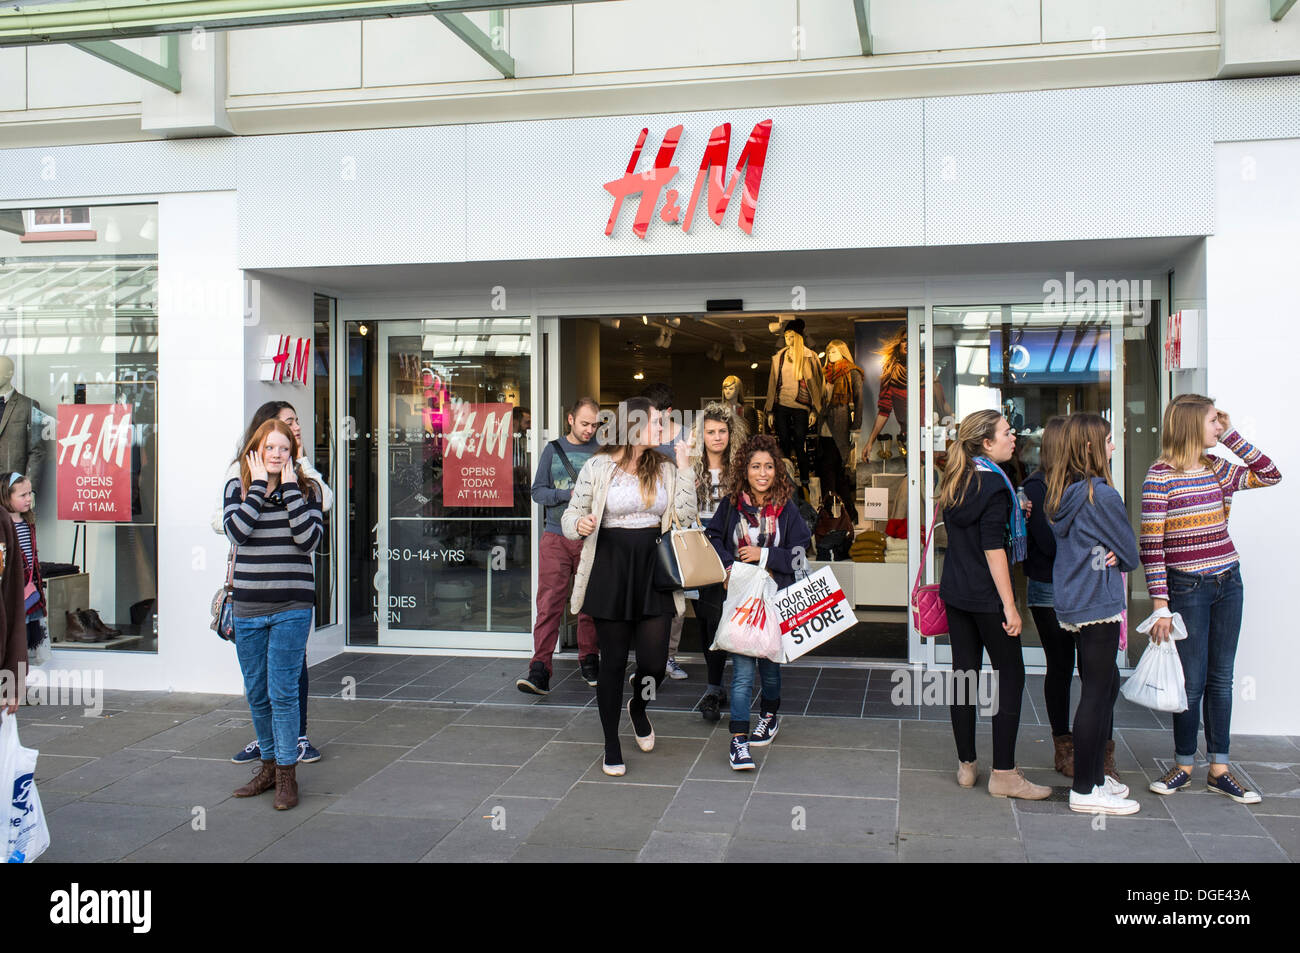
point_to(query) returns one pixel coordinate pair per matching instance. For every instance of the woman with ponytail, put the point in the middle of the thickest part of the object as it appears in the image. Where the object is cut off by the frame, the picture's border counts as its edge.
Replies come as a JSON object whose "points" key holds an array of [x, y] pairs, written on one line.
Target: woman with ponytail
{"points": [[986, 533]]}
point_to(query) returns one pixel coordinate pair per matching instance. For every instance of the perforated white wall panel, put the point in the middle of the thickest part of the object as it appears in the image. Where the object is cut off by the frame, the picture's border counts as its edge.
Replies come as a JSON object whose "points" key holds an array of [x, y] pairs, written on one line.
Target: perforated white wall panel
{"points": [[1070, 164], [118, 168], [382, 196], [836, 177], [1267, 107]]}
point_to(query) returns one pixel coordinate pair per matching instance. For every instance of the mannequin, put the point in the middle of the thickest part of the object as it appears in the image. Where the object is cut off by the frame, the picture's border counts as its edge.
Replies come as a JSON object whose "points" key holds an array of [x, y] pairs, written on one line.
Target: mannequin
{"points": [[794, 395], [893, 393], [21, 449], [733, 395], [843, 403]]}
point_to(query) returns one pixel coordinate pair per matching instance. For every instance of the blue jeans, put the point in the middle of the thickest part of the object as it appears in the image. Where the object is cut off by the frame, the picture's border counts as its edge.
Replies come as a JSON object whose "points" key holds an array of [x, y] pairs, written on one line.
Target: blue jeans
{"points": [[270, 649], [742, 688], [1211, 609]]}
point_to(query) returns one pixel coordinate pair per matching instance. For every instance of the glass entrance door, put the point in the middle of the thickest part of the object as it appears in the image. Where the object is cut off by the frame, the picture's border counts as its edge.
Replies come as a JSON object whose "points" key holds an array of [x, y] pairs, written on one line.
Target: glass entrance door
{"points": [[453, 542], [1030, 362]]}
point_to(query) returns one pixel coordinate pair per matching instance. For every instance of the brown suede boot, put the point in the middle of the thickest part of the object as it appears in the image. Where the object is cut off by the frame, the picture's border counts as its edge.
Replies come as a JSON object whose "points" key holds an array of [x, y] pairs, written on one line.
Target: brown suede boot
{"points": [[263, 781], [286, 787], [1013, 783], [1108, 767], [1064, 745]]}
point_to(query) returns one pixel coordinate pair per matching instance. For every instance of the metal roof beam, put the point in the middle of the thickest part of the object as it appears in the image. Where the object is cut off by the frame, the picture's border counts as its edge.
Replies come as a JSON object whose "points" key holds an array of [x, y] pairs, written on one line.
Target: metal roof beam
{"points": [[1278, 8], [166, 73], [23, 24], [491, 48], [862, 10]]}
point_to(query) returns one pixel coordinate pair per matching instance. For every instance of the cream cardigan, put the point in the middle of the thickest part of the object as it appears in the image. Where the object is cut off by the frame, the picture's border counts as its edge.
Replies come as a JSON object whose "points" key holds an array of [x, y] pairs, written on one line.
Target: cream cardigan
{"points": [[588, 499]]}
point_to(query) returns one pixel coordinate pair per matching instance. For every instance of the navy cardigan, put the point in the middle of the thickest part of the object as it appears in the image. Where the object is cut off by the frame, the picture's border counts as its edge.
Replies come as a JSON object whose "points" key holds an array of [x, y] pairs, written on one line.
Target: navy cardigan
{"points": [[792, 532]]}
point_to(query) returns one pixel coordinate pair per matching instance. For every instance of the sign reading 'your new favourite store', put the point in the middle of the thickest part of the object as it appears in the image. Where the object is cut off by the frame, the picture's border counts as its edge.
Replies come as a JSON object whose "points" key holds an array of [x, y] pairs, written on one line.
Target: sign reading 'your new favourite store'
{"points": [[649, 183]]}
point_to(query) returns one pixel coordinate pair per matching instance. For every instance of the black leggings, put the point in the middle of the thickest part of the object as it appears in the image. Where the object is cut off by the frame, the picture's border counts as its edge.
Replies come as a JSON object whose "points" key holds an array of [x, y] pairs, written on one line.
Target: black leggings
{"points": [[1099, 676], [834, 476], [971, 634], [616, 639], [1058, 646], [708, 609], [792, 436]]}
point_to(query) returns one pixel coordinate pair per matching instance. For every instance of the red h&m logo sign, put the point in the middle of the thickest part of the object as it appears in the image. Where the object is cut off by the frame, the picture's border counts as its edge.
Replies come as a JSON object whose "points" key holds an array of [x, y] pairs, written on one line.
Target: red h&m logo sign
{"points": [[93, 469], [649, 183], [286, 359]]}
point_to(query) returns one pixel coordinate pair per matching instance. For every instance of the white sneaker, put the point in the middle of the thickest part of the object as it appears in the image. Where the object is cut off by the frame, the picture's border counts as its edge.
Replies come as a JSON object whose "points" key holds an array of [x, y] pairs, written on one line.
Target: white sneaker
{"points": [[1117, 788], [1100, 801], [675, 670]]}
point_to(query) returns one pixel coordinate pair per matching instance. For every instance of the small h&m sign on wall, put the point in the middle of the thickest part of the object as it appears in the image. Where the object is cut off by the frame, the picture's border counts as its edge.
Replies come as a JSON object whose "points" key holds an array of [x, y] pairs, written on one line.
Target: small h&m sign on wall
{"points": [[285, 359]]}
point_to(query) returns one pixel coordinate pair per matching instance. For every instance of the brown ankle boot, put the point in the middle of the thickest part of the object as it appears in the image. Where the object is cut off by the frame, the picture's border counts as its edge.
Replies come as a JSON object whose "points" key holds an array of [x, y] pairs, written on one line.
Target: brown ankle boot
{"points": [[1013, 783], [1108, 767], [1064, 745], [75, 630], [286, 787], [967, 773], [263, 781]]}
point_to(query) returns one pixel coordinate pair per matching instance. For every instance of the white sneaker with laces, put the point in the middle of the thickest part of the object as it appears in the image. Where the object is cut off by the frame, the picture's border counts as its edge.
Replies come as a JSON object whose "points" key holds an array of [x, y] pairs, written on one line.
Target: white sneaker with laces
{"points": [[1117, 788], [1100, 801], [675, 670]]}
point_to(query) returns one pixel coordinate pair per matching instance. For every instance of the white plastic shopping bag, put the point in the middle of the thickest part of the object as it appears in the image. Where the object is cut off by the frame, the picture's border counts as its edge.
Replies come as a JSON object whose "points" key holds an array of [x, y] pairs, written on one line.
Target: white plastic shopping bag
{"points": [[813, 610], [750, 624], [27, 835], [1158, 682]]}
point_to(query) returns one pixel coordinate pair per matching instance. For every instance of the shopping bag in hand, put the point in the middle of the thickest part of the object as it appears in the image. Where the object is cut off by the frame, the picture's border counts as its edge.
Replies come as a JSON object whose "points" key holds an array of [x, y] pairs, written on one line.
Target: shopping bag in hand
{"points": [[27, 835], [750, 624], [1158, 682]]}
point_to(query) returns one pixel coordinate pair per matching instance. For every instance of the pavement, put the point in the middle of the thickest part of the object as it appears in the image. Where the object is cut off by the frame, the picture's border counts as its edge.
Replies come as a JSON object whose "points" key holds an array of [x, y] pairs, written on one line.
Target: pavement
{"points": [[440, 759]]}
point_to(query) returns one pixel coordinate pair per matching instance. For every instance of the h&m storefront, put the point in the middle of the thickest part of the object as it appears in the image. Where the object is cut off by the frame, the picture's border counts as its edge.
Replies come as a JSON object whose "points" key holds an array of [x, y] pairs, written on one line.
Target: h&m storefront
{"points": [[432, 270]]}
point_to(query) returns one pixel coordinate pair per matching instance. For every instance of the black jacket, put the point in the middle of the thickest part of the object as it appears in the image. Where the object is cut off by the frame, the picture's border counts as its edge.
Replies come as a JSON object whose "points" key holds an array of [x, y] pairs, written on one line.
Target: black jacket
{"points": [[792, 533], [979, 523], [1041, 551]]}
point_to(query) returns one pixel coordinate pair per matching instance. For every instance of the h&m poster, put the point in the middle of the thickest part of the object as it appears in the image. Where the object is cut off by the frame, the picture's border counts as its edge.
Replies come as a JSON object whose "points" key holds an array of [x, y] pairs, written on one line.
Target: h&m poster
{"points": [[477, 456], [93, 466]]}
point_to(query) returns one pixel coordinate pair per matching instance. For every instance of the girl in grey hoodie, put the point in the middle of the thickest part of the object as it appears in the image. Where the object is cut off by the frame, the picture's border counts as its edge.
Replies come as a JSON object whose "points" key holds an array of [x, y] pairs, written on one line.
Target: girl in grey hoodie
{"points": [[1094, 544]]}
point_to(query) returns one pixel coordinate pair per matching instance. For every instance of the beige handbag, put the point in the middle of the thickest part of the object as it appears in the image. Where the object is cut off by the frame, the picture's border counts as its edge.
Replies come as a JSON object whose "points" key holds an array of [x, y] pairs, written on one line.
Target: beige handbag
{"points": [[686, 560]]}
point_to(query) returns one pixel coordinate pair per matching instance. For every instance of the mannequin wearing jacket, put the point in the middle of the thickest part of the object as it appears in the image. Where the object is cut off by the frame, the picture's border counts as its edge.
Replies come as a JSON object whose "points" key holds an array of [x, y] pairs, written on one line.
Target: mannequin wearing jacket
{"points": [[794, 396]]}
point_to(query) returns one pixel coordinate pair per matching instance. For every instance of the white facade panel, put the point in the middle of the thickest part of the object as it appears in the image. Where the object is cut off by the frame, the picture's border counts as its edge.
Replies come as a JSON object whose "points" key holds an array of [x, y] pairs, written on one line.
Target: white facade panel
{"points": [[1264, 108], [294, 58], [830, 29], [663, 34], [386, 195], [1105, 162], [62, 75], [541, 40], [117, 168], [836, 177], [13, 78], [1099, 20], [910, 26], [1251, 331], [407, 51]]}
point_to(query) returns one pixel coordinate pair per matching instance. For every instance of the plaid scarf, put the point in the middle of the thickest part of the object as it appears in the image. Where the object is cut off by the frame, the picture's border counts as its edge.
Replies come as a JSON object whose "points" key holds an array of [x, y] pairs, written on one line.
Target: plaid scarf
{"points": [[1017, 532], [765, 521]]}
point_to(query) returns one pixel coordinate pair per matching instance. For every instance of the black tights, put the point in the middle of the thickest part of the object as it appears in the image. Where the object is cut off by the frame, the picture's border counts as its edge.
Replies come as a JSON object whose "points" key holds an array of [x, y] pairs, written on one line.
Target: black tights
{"points": [[792, 436], [617, 638], [835, 476], [709, 613], [971, 634], [1058, 646], [1099, 677]]}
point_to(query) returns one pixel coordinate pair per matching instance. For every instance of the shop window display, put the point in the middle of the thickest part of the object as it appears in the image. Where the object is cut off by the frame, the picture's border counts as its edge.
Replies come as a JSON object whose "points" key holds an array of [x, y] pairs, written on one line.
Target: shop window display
{"points": [[78, 381]]}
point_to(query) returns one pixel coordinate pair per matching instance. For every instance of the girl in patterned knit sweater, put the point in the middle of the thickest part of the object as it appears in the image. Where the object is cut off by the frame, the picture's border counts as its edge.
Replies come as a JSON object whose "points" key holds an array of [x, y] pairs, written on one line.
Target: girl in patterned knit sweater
{"points": [[1191, 568]]}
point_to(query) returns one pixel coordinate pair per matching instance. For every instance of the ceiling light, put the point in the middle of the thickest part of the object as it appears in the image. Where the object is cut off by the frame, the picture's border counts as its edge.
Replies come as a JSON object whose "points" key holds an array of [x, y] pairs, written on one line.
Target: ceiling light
{"points": [[149, 231], [638, 376], [675, 322], [112, 234], [644, 319], [754, 366], [364, 330]]}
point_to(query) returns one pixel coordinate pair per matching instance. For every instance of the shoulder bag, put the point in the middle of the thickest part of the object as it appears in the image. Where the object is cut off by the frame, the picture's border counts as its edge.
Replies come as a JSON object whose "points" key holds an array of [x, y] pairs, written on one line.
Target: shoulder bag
{"points": [[685, 559], [929, 614], [223, 603]]}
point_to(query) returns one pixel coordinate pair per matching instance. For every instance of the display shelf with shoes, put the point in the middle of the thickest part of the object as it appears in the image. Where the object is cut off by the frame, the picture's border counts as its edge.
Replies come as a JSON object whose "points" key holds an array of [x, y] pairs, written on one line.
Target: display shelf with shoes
{"points": [[83, 628]]}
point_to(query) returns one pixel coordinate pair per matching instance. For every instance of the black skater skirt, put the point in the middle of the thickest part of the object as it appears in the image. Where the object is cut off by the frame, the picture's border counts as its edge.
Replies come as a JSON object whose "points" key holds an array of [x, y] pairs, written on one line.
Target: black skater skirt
{"points": [[621, 585]]}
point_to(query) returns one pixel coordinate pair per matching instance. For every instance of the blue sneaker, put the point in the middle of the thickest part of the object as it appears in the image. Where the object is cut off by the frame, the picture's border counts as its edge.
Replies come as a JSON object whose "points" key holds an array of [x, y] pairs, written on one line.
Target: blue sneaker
{"points": [[739, 754], [306, 753], [250, 752], [764, 731], [1175, 778], [1229, 786]]}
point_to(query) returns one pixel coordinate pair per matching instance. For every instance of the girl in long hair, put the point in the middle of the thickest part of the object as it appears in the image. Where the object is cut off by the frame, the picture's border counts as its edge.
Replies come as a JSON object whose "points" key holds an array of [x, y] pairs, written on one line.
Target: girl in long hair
{"points": [[719, 434], [1192, 568], [625, 497], [272, 516], [283, 411], [17, 499], [758, 522], [1088, 519], [986, 533]]}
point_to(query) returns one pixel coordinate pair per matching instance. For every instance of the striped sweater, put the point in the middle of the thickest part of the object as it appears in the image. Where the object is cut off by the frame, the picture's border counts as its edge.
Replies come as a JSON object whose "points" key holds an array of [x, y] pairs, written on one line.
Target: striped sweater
{"points": [[1185, 515], [273, 546]]}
